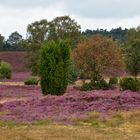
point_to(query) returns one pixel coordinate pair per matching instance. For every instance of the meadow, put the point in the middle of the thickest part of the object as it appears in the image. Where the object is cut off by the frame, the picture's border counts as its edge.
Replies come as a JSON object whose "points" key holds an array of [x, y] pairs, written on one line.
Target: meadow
{"points": [[25, 114]]}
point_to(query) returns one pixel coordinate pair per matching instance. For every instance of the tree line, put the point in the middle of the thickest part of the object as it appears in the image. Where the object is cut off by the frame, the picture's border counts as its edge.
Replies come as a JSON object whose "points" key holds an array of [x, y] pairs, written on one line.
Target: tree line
{"points": [[113, 47], [58, 28], [118, 34]]}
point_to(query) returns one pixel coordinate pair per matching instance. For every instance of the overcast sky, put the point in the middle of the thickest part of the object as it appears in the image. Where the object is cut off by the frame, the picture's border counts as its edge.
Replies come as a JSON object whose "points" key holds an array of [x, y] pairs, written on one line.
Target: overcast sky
{"points": [[15, 15]]}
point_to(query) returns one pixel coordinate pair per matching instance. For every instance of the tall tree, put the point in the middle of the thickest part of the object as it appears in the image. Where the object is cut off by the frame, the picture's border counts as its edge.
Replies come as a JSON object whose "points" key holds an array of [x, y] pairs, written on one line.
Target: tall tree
{"points": [[118, 34], [37, 31], [98, 55], [36, 36], [61, 28], [14, 39], [132, 49], [1, 42], [64, 27]]}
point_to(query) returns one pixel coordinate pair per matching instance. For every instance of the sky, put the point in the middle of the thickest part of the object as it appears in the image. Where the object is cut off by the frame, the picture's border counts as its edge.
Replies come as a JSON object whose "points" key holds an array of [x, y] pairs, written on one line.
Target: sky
{"points": [[15, 15]]}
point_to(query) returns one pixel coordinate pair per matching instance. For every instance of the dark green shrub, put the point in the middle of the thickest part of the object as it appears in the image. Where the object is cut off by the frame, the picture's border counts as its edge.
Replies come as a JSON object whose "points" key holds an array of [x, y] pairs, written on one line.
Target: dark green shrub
{"points": [[129, 83], [87, 87], [113, 81], [31, 81], [101, 84], [54, 61], [72, 72], [5, 70]]}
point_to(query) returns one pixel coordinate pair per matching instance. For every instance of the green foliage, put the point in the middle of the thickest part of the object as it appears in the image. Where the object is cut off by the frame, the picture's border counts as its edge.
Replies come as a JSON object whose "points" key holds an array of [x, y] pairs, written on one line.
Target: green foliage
{"points": [[102, 84], [39, 32], [129, 83], [1, 42], [117, 34], [97, 83], [87, 87], [132, 51], [54, 63], [113, 81], [13, 43], [133, 57], [99, 54], [31, 81], [62, 28], [5, 70], [72, 72], [36, 36]]}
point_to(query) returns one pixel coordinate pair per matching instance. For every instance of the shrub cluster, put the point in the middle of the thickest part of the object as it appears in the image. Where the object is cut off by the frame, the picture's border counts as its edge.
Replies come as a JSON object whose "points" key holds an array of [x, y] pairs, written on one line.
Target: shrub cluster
{"points": [[129, 83], [113, 81], [5, 70], [102, 84], [54, 62], [31, 81], [98, 82], [72, 76]]}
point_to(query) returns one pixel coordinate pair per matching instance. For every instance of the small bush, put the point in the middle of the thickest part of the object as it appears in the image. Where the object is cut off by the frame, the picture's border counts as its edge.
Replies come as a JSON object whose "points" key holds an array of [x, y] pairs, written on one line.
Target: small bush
{"points": [[102, 84], [31, 81], [5, 70], [72, 73], [113, 81], [129, 83], [87, 87]]}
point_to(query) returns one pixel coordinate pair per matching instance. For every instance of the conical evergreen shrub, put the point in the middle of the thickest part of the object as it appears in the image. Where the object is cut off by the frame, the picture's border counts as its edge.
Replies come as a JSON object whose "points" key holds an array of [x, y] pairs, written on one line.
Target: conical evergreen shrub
{"points": [[54, 61]]}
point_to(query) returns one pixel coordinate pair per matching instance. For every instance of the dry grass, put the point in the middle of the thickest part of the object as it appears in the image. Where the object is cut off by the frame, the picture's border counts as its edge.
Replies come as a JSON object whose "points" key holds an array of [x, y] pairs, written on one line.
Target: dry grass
{"points": [[121, 126], [12, 83]]}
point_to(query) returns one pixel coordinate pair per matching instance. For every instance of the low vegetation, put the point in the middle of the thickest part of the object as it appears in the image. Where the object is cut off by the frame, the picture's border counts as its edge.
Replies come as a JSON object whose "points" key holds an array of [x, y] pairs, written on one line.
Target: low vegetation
{"points": [[129, 83], [100, 111], [120, 126], [5, 70], [31, 81]]}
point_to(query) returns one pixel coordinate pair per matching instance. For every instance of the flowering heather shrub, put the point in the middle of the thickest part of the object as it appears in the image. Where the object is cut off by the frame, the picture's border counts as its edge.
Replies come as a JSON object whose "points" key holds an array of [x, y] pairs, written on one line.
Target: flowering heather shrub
{"points": [[17, 77], [31, 81], [5, 70], [16, 59], [129, 83], [73, 104]]}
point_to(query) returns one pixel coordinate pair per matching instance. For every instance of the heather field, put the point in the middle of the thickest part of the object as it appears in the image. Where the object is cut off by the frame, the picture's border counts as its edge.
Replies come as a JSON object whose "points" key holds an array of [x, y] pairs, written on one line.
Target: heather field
{"points": [[96, 115], [18, 62], [26, 104], [25, 114]]}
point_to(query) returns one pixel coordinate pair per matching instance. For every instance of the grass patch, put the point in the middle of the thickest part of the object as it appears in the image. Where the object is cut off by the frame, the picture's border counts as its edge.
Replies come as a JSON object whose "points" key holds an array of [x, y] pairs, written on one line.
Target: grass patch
{"points": [[119, 126]]}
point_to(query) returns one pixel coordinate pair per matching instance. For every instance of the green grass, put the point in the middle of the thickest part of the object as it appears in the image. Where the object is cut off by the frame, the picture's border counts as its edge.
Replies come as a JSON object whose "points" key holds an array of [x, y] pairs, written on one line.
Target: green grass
{"points": [[119, 126]]}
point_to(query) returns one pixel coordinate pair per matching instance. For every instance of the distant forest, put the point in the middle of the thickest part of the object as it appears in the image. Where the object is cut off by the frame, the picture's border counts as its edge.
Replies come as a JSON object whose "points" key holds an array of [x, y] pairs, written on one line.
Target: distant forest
{"points": [[15, 40], [117, 34]]}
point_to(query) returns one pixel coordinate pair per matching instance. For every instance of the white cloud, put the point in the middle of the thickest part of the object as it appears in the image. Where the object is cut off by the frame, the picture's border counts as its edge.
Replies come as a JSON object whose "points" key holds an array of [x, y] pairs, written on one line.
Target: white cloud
{"points": [[18, 19], [104, 8], [90, 14]]}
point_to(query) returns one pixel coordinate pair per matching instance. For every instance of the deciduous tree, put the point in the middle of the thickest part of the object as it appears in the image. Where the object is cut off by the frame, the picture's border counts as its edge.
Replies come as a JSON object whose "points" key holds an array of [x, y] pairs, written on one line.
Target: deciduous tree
{"points": [[61, 28], [132, 49], [98, 55]]}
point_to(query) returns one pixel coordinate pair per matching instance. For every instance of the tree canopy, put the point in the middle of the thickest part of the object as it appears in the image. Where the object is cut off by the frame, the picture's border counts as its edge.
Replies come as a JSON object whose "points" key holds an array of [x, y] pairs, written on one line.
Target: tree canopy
{"points": [[132, 51], [61, 28], [98, 54]]}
